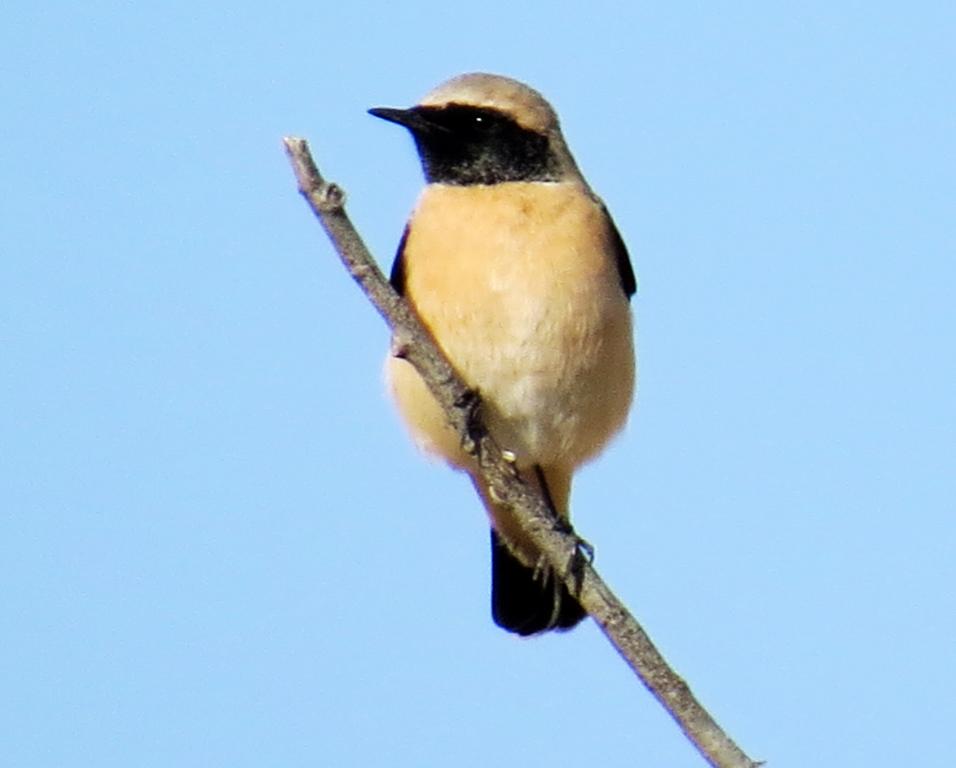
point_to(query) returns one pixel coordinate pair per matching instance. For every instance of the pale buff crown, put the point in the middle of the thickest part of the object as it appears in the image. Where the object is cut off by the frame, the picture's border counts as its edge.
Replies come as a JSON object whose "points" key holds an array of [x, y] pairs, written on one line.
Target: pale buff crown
{"points": [[520, 102]]}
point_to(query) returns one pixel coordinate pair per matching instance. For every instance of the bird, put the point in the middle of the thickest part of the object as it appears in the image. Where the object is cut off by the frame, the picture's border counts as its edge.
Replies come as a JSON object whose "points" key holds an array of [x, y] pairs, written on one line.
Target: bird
{"points": [[519, 273]]}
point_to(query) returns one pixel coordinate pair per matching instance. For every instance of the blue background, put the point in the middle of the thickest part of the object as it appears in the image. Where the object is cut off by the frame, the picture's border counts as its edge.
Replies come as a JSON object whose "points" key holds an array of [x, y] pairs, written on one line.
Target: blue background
{"points": [[217, 545]]}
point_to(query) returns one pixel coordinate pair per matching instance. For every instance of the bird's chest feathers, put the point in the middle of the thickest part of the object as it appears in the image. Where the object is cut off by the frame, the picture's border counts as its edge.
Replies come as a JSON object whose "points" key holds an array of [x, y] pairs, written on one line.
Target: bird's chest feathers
{"points": [[514, 280]]}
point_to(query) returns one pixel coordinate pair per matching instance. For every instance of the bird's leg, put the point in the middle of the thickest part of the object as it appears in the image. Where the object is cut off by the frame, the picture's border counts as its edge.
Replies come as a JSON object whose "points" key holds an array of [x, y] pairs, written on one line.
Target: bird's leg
{"points": [[546, 492], [583, 550]]}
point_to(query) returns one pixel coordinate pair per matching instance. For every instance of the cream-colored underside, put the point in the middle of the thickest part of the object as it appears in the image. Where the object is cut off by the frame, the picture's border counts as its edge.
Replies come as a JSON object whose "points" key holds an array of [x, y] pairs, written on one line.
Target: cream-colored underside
{"points": [[519, 285]]}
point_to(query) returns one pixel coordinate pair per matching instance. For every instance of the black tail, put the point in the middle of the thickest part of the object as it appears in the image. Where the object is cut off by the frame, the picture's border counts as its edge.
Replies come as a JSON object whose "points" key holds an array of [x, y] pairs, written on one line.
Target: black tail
{"points": [[525, 605]]}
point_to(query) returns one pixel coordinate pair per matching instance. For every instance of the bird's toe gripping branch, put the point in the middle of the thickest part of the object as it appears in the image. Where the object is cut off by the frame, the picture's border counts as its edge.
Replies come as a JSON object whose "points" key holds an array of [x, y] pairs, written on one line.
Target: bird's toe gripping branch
{"points": [[581, 555], [470, 404]]}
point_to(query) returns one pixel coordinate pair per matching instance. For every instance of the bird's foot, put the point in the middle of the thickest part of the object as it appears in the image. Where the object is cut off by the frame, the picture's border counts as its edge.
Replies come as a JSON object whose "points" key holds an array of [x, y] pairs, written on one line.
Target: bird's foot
{"points": [[580, 555], [583, 548], [470, 404]]}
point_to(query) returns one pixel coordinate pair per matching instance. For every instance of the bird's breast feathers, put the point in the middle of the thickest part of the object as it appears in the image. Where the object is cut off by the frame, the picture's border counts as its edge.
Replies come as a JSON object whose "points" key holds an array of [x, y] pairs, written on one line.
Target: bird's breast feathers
{"points": [[519, 284]]}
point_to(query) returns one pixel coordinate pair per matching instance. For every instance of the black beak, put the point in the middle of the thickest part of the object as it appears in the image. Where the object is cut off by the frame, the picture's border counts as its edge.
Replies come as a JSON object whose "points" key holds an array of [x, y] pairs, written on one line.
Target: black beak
{"points": [[400, 116], [415, 119]]}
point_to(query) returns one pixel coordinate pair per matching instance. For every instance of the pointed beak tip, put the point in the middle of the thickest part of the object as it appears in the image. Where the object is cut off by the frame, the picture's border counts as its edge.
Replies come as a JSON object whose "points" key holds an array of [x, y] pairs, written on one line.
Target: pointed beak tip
{"points": [[389, 113]]}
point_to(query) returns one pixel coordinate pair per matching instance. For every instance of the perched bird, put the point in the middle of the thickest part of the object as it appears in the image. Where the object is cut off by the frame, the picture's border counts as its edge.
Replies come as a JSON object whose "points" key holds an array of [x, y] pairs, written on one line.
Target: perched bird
{"points": [[520, 274]]}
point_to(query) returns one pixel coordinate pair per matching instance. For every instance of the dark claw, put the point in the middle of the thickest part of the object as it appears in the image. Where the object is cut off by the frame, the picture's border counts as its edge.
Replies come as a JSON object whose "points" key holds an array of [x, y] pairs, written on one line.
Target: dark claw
{"points": [[470, 403], [585, 549], [582, 553]]}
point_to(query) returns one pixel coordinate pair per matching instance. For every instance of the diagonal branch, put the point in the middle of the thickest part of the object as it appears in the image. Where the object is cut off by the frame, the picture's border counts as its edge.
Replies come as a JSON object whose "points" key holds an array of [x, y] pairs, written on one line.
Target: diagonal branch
{"points": [[412, 341]]}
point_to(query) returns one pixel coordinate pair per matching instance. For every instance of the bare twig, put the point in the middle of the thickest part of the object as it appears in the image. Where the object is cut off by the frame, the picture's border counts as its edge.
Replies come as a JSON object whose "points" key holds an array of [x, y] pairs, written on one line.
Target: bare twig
{"points": [[462, 408]]}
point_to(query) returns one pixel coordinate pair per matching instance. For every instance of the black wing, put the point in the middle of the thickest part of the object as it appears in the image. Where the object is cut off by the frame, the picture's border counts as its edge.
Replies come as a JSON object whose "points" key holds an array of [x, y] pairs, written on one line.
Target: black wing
{"points": [[624, 269], [397, 278]]}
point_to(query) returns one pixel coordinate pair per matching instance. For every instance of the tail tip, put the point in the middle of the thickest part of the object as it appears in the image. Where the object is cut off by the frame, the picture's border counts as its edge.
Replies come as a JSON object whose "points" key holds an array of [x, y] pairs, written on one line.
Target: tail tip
{"points": [[524, 603]]}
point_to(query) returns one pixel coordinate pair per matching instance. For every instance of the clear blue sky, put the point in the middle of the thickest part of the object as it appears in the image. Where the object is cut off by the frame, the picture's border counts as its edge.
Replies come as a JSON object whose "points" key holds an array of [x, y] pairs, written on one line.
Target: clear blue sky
{"points": [[217, 546]]}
